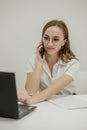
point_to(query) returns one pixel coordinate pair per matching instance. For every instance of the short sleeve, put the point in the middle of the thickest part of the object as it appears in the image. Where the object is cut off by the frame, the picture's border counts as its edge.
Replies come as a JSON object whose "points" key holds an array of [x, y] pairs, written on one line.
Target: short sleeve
{"points": [[73, 68], [31, 64]]}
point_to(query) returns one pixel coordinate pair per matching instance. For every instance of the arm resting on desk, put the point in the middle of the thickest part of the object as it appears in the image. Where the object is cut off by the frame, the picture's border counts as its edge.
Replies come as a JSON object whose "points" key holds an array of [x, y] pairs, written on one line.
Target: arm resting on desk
{"points": [[47, 93]]}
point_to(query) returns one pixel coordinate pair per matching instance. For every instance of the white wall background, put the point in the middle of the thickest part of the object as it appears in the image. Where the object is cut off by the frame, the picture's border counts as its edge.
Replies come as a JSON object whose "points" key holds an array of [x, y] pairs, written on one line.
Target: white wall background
{"points": [[21, 23]]}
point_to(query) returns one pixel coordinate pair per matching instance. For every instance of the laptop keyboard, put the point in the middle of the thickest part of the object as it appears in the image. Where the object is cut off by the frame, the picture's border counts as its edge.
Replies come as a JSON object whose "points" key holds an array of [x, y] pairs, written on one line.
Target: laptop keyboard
{"points": [[22, 108]]}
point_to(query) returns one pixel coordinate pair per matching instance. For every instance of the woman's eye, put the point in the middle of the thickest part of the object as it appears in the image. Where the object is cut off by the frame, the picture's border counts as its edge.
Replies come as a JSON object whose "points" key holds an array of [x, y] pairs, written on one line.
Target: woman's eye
{"points": [[56, 39], [46, 38]]}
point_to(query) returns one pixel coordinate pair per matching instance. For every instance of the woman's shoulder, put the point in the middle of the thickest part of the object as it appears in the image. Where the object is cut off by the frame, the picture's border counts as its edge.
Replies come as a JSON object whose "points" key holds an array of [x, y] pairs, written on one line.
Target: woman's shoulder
{"points": [[70, 62], [32, 58], [74, 62]]}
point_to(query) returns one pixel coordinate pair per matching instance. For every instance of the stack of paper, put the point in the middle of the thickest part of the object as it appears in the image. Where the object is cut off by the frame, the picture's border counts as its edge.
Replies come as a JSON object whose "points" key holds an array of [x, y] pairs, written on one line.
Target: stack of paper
{"points": [[69, 102]]}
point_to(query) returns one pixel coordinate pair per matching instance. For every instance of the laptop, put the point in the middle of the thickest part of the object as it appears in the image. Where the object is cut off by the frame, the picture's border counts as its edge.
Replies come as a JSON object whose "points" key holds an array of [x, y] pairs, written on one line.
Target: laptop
{"points": [[9, 106]]}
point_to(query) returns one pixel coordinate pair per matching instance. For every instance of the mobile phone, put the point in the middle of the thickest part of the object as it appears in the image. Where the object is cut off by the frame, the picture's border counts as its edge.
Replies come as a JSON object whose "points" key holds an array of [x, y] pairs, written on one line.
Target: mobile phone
{"points": [[42, 50]]}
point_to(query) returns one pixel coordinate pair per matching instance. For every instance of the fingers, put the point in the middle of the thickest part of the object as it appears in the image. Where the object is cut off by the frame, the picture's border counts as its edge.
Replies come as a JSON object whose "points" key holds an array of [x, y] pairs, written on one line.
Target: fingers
{"points": [[39, 55], [23, 98], [39, 44], [25, 101], [39, 47]]}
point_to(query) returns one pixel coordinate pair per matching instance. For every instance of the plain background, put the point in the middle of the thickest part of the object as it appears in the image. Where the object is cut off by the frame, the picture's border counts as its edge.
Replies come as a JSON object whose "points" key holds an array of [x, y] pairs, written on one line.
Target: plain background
{"points": [[21, 23]]}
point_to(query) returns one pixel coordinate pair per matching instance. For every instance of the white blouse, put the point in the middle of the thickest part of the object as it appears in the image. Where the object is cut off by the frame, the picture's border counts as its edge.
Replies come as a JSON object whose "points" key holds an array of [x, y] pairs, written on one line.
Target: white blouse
{"points": [[71, 68]]}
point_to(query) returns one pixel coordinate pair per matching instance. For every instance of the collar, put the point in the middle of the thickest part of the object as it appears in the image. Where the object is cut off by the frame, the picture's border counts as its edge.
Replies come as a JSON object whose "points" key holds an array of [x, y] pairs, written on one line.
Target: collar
{"points": [[60, 62]]}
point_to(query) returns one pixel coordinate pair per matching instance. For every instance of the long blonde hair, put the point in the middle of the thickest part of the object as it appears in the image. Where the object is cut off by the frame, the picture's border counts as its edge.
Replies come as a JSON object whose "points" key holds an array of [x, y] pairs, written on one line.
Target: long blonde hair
{"points": [[65, 52]]}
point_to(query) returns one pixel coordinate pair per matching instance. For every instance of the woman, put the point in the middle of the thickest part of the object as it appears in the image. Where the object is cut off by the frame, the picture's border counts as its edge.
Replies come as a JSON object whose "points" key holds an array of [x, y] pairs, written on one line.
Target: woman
{"points": [[53, 72]]}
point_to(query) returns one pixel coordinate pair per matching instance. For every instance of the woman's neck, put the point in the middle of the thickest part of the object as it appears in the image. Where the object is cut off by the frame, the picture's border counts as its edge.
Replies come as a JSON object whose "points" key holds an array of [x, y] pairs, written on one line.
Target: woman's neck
{"points": [[51, 59]]}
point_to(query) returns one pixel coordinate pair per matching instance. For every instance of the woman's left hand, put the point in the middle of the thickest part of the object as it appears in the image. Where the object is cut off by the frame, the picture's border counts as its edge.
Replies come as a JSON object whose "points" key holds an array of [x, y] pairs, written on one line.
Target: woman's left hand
{"points": [[23, 98]]}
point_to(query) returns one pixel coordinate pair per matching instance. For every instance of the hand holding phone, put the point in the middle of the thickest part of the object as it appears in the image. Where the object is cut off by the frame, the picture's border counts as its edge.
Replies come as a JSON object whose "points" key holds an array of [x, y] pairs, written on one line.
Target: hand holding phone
{"points": [[42, 50]]}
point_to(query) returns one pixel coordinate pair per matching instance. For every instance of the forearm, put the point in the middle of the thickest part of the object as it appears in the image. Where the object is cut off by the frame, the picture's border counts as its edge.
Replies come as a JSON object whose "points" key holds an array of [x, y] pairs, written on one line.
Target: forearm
{"points": [[33, 82], [52, 90], [47, 93], [39, 97]]}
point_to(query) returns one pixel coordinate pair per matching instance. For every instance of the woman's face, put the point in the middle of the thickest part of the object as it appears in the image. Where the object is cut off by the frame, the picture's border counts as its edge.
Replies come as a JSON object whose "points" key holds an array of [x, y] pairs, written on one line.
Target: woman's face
{"points": [[53, 40]]}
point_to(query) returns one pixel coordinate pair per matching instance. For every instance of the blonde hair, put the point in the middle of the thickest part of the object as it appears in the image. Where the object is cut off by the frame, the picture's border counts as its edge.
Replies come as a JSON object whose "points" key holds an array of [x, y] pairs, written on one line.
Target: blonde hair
{"points": [[65, 52]]}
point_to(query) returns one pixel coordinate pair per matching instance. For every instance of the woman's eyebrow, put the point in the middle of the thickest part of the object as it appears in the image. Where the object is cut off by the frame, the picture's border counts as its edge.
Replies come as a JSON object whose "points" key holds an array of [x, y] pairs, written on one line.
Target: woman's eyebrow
{"points": [[53, 36], [56, 36], [46, 35]]}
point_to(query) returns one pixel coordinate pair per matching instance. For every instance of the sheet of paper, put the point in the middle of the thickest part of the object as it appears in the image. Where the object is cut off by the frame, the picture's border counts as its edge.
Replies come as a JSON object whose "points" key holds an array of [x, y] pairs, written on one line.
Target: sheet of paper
{"points": [[69, 102]]}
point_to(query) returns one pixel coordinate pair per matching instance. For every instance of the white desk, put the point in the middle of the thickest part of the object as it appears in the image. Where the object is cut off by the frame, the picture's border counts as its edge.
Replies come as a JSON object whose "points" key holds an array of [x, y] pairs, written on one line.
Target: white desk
{"points": [[48, 116]]}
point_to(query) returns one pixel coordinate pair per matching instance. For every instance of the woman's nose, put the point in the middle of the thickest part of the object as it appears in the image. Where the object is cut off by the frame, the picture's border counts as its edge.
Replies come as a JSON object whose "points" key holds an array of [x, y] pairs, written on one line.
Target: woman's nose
{"points": [[50, 42]]}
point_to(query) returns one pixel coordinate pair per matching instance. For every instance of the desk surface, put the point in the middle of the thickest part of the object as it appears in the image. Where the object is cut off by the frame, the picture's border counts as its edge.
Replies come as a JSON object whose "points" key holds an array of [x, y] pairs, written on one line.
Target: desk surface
{"points": [[49, 116]]}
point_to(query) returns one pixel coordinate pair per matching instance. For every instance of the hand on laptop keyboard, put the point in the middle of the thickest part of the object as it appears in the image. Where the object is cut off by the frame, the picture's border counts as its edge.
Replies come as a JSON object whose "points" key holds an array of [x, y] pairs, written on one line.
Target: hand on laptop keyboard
{"points": [[24, 98]]}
